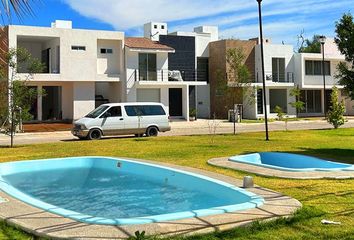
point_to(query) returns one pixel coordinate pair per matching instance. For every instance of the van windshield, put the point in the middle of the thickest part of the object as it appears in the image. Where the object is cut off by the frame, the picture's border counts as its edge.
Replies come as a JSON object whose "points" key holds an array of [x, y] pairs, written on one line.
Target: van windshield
{"points": [[97, 112]]}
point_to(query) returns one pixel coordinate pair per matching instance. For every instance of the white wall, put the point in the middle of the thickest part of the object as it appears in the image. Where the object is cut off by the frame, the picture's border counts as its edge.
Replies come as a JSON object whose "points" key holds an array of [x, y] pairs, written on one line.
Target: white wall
{"points": [[83, 98], [132, 64], [203, 101], [74, 65], [250, 106], [108, 63], [54, 65], [273, 51]]}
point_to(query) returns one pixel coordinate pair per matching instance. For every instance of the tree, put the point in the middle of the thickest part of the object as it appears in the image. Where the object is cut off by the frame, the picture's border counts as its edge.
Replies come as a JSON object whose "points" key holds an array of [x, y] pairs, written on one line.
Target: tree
{"points": [[18, 7], [335, 115], [19, 96], [345, 43], [310, 45], [298, 104], [235, 80]]}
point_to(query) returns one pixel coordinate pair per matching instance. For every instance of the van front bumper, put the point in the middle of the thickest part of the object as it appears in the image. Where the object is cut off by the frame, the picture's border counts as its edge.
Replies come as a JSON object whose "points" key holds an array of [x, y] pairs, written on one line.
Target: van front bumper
{"points": [[80, 133]]}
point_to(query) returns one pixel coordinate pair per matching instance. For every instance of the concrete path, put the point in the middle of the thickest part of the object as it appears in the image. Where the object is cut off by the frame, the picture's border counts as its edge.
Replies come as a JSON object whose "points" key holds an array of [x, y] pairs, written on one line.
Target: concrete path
{"points": [[181, 128]]}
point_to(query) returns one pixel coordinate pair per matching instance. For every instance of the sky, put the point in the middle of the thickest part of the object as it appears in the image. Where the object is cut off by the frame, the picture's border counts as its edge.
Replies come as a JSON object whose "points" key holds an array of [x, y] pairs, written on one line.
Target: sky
{"points": [[283, 20]]}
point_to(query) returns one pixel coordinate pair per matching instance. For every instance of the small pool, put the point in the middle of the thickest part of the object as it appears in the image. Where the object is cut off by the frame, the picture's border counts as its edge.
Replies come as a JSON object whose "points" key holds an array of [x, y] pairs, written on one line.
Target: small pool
{"points": [[291, 162], [112, 191]]}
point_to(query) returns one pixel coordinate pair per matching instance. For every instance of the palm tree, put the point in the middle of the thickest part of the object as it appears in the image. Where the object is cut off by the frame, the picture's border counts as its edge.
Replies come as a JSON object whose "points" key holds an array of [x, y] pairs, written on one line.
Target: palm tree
{"points": [[17, 7]]}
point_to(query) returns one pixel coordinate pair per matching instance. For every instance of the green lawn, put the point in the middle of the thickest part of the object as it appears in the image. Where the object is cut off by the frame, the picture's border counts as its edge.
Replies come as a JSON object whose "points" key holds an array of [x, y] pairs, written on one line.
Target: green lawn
{"points": [[329, 199]]}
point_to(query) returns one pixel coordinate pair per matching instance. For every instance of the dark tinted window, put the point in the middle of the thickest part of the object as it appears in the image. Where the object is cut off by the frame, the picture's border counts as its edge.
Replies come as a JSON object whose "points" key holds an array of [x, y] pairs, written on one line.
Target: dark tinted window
{"points": [[106, 51], [315, 67], [115, 112], [148, 110], [78, 48]]}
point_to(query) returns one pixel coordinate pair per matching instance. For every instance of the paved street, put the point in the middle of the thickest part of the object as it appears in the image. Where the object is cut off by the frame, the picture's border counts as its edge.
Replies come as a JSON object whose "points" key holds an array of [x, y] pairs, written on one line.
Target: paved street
{"points": [[181, 128]]}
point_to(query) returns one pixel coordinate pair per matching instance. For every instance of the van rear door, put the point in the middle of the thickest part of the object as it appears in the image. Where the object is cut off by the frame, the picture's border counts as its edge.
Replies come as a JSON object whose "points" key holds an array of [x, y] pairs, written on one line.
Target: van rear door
{"points": [[133, 120]]}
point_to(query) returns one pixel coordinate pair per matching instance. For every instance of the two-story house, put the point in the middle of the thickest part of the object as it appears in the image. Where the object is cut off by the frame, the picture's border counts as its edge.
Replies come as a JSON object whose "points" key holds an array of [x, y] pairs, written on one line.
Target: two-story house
{"points": [[309, 76], [81, 67], [279, 71], [284, 71]]}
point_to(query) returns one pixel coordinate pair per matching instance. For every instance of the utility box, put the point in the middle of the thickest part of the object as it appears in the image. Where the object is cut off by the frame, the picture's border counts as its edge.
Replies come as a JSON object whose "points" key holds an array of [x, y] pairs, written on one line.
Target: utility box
{"points": [[235, 115]]}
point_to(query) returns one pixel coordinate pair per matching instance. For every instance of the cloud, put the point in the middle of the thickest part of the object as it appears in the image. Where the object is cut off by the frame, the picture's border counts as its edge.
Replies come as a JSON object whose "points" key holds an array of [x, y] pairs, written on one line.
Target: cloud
{"points": [[283, 19]]}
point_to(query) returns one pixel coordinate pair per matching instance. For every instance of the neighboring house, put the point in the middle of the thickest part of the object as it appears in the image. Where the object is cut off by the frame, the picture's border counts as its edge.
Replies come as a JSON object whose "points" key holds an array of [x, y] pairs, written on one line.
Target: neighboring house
{"points": [[280, 79], [191, 59], [82, 67], [284, 70], [309, 77], [219, 101], [86, 68]]}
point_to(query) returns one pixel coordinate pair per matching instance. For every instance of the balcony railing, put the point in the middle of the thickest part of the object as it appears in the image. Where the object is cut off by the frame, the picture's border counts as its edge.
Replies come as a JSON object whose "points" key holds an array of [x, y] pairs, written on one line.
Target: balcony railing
{"points": [[288, 77], [172, 76]]}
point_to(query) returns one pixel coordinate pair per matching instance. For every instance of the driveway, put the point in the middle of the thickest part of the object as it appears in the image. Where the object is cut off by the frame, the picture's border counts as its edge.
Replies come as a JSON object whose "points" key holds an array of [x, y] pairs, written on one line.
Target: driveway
{"points": [[182, 128]]}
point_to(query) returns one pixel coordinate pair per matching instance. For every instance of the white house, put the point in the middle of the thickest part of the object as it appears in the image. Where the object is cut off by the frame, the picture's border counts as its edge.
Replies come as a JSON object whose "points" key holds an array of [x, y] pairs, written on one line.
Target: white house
{"points": [[285, 70], [309, 77], [81, 67], [191, 58], [280, 79]]}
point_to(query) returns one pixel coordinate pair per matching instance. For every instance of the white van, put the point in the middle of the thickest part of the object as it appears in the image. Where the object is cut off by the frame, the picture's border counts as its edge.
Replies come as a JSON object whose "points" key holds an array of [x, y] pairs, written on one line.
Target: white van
{"points": [[123, 119]]}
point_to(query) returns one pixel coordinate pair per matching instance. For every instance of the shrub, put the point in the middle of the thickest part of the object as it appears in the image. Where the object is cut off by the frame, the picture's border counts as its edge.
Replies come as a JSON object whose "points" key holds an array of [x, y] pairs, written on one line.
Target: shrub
{"points": [[335, 115]]}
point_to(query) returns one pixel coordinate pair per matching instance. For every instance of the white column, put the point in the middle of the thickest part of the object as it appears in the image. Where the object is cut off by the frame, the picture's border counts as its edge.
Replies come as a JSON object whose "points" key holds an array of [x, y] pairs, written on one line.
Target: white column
{"points": [[185, 103], [39, 103]]}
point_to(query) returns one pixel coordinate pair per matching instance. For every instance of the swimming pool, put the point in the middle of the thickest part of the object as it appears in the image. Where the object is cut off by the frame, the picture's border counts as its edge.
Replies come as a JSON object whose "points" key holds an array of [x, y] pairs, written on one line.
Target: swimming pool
{"points": [[291, 162], [110, 191]]}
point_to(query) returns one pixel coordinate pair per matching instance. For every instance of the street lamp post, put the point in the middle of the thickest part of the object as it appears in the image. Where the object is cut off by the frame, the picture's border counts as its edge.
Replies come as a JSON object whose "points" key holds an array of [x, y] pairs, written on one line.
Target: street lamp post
{"points": [[263, 71], [322, 40]]}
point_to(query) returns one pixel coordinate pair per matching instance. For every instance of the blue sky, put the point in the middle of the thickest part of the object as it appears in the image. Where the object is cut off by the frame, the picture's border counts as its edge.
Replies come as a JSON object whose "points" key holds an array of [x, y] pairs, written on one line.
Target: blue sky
{"points": [[283, 19]]}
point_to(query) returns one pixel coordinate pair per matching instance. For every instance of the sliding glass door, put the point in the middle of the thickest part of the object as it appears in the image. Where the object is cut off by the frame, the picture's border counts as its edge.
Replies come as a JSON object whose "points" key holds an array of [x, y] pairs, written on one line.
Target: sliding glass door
{"points": [[147, 67]]}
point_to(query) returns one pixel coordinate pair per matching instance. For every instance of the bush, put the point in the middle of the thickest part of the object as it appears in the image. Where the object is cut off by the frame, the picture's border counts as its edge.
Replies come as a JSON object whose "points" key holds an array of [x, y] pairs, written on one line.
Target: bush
{"points": [[280, 113], [335, 115]]}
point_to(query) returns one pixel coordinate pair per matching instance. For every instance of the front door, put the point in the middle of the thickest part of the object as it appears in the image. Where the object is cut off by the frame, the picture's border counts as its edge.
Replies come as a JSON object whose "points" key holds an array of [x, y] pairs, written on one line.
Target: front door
{"points": [[175, 102]]}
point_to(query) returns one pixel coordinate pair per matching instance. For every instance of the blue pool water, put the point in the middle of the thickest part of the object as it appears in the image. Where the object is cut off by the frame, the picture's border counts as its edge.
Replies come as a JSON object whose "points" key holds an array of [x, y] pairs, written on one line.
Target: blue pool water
{"points": [[291, 162], [116, 191]]}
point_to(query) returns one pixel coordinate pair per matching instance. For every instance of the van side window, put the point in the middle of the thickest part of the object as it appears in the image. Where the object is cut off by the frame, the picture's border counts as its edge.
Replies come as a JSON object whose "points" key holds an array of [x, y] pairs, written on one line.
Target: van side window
{"points": [[148, 110], [115, 111]]}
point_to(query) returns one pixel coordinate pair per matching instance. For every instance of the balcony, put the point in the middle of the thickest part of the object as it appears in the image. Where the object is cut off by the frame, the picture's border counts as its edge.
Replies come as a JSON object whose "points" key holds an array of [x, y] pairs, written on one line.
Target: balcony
{"points": [[165, 78], [44, 49], [288, 77], [171, 76]]}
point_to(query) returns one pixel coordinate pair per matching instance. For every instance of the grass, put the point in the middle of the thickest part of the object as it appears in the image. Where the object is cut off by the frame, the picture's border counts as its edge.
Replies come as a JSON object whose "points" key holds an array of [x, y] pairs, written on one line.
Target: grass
{"points": [[322, 199]]}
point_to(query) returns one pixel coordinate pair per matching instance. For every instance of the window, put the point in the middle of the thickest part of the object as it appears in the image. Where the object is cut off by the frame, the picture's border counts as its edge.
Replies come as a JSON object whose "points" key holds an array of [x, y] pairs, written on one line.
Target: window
{"points": [[147, 67], [115, 112], [278, 69], [315, 67], [106, 50], [203, 69], [97, 112], [155, 26], [278, 97], [260, 101], [148, 110], [78, 48], [162, 26], [312, 100]]}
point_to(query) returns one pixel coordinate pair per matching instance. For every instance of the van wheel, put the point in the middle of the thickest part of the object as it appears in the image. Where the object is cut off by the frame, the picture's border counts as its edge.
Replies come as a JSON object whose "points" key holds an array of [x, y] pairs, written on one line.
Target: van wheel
{"points": [[95, 134], [152, 132]]}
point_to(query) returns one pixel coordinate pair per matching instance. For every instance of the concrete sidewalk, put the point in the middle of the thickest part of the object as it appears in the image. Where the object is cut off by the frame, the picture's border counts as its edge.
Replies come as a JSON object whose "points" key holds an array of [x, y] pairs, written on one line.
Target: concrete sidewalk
{"points": [[182, 128]]}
